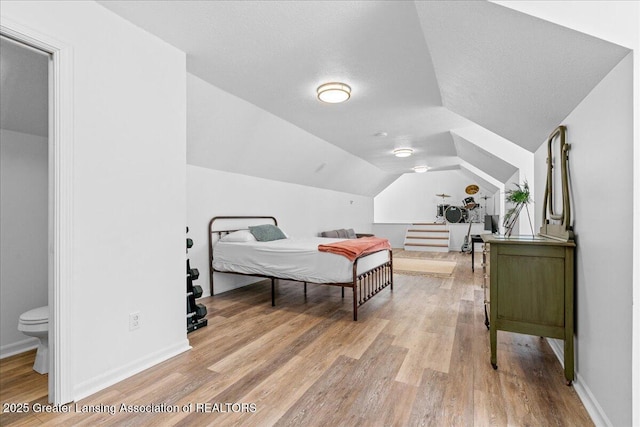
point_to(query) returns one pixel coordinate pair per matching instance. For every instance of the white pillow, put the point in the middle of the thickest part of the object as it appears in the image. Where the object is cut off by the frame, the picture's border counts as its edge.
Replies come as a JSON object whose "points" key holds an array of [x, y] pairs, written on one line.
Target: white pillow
{"points": [[239, 236]]}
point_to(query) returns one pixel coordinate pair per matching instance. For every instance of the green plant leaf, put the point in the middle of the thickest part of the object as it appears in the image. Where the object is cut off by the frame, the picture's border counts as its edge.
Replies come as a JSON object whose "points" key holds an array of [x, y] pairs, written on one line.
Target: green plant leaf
{"points": [[519, 195]]}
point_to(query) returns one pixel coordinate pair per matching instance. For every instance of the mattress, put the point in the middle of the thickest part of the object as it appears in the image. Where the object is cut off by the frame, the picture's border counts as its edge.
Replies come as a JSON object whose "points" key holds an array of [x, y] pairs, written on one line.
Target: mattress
{"points": [[292, 258]]}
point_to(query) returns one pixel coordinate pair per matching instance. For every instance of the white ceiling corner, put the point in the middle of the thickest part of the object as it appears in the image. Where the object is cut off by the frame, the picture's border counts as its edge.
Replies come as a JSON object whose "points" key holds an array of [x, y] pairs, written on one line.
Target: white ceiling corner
{"points": [[483, 160], [514, 74], [275, 54], [487, 184], [417, 70]]}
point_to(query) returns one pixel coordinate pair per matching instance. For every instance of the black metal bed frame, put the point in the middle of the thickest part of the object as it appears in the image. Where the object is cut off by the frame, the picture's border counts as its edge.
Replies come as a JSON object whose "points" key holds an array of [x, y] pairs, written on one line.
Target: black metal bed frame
{"points": [[365, 285]]}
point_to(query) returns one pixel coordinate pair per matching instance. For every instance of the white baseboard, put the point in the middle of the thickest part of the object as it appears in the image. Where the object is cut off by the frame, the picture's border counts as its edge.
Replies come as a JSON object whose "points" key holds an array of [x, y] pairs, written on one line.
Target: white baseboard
{"points": [[107, 379], [589, 401], [18, 347]]}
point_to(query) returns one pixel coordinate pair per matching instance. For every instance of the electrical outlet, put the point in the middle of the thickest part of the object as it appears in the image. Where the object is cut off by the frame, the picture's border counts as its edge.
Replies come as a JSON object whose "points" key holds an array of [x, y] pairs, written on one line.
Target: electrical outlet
{"points": [[135, 320]]}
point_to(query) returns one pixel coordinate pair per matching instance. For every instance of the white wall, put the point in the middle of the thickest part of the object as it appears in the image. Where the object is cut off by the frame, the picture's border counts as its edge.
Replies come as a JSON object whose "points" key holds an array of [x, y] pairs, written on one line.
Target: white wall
{"points": [[412, 197], [244, 160], [24, 230], [600, 131], [394, 232], [300, 210], [458, 232], [129, 130], [222, 127], [511, 153], [617, 22]]}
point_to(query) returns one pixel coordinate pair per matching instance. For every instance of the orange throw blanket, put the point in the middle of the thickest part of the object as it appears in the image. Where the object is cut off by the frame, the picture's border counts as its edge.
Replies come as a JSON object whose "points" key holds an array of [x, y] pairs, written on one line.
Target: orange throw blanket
{"points": [[353, 248]]}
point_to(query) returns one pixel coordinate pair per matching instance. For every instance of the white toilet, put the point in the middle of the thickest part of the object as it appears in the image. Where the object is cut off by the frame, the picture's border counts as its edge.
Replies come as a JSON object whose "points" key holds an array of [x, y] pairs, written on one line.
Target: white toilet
{"points": [[35, 323]]}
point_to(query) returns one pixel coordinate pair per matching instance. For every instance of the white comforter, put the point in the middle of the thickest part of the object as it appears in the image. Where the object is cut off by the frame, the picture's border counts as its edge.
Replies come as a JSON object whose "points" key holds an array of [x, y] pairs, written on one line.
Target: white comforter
{"points": [[293, 258]]}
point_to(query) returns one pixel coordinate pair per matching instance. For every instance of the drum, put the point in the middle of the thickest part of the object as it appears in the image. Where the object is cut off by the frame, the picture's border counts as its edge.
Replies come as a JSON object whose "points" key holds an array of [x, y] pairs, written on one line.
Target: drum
{"points": [[442, 209], [469, 203], [453, 214], [465, 214]]}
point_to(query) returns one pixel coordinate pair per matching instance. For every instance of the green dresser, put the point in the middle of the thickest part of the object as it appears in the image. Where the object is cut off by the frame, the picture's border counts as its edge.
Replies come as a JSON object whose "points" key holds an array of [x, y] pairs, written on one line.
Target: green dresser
{"points": [[531, 290]]}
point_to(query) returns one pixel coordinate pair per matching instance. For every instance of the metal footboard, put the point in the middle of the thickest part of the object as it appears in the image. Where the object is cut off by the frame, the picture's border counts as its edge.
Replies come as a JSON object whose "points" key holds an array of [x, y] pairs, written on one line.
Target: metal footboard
{"points": [[369, 283], [365, 285]]}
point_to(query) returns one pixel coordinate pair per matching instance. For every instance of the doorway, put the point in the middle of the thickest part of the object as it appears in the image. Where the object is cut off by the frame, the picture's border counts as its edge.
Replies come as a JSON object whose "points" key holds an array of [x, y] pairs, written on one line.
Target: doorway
{"points": [[25, 198], [60, 228]]}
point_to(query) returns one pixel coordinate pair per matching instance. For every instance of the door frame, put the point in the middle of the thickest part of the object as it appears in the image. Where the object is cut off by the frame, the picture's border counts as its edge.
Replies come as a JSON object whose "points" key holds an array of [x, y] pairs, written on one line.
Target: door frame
{"points": [[60, 240]]}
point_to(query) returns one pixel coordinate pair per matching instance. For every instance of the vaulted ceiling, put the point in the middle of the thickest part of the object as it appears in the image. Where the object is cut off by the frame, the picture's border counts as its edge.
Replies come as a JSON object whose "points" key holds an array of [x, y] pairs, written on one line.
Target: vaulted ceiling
{"points": [[513, 74], [418, 70]]}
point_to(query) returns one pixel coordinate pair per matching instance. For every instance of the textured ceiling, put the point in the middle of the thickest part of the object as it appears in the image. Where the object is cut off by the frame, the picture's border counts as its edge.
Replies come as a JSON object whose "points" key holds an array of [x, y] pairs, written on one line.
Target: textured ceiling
{"points": [[24, 88], [486, 188], [483, 160], [513, 74], [275, 55], [418, 70]]}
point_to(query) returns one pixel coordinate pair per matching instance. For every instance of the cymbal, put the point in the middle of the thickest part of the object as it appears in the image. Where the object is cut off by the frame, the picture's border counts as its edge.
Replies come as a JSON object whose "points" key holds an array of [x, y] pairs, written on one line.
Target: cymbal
{"points": [[472, 189], [443, 195]]}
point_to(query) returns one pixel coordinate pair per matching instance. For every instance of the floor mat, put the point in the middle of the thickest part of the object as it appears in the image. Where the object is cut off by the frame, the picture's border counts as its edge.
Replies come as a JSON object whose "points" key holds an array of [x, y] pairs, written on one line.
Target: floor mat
{"points": [[418, 265]]}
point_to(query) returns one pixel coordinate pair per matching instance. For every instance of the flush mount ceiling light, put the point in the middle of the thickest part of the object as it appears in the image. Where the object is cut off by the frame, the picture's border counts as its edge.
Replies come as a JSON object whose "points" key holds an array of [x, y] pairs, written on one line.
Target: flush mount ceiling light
{"points": [[403, 152], [334, 92], [420, 169]]}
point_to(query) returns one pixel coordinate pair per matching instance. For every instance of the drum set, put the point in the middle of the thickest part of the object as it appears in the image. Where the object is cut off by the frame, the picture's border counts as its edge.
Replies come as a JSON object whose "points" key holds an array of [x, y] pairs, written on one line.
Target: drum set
{"points": [[468, 211]]}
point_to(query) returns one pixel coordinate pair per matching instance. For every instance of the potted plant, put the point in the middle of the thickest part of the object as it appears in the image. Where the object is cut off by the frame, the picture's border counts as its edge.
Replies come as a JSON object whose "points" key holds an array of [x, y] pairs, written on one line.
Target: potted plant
{"points": [[520, 197]]}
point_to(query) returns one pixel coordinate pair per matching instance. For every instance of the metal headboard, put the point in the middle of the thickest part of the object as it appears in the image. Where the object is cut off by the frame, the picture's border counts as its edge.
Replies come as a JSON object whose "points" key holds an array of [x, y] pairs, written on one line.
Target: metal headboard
{"points": [[222, 232]]}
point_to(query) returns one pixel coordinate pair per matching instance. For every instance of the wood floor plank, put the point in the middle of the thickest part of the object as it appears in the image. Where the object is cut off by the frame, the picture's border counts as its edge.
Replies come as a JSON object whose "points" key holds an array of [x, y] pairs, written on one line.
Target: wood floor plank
{"points": [[278, 392], [417, 356], [28, 420], [280, 357], [16, 362], [375, 386], [341, 337], [361, 341], [489, 404], [323, 399], [395, 409], [343, 389], [458, 395], [427, 409], [447, 283]]}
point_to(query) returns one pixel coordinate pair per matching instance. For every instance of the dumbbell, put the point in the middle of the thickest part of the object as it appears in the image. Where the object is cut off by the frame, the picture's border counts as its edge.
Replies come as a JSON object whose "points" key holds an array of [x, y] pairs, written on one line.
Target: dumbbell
{"points": [[197, 291], [194, 273], [201, 311]]}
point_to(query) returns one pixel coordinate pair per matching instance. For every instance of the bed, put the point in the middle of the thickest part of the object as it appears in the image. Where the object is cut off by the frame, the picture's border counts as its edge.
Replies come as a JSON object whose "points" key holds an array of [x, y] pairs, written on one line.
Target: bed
{"points": [[295, 259]]}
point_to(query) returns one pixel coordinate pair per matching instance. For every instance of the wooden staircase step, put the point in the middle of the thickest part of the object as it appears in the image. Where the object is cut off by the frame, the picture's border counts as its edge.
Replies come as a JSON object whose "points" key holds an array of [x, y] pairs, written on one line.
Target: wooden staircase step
{"points": [[427, 237]]}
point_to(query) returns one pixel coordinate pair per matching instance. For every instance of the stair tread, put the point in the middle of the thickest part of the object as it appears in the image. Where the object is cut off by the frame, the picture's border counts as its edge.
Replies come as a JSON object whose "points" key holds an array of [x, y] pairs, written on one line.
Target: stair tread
{"points": [[427, 236]]}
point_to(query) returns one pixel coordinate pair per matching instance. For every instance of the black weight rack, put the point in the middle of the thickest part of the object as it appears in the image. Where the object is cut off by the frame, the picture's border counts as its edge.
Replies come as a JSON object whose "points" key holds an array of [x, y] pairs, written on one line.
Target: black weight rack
{"points": [[196, 312]]}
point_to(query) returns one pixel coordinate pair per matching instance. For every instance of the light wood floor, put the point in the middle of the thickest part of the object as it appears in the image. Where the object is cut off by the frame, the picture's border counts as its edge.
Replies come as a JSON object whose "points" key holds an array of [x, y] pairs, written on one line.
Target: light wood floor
{"points": [[417, 356]]}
